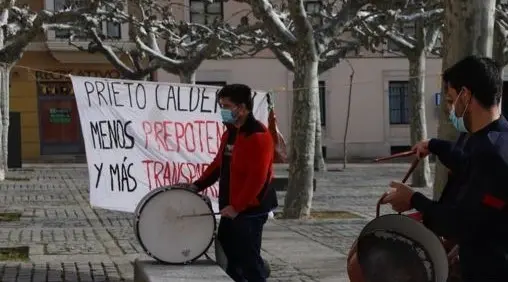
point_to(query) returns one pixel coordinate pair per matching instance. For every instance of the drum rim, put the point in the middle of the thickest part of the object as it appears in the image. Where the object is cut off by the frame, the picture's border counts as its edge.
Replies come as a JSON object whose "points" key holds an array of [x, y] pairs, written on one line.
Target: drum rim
{"points": [[136, 226]]}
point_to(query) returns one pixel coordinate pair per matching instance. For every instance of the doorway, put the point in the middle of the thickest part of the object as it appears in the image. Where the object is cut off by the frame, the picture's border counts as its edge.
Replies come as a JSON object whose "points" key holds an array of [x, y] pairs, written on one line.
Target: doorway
{"points": [[60, 130]]}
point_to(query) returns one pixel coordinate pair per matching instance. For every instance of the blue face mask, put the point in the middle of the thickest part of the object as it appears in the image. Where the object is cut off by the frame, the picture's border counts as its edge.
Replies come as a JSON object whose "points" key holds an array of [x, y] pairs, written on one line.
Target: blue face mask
{"points": [[227, 116], [458, 122]]}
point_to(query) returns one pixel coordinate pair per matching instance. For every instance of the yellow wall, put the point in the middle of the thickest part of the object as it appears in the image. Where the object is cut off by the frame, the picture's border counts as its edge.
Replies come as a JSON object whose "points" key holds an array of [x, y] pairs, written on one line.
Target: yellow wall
{"points": [[23, 93]]}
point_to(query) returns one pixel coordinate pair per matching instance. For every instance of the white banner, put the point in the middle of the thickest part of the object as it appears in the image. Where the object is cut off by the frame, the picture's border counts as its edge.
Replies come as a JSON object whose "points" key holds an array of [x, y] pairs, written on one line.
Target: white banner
{"points": [[141, 135]]}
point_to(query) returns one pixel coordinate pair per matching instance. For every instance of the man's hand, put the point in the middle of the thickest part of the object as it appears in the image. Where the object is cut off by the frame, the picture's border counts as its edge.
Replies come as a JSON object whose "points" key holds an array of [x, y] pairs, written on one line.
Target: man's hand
{"points": [[228, 211], [399, 197], [422, 149]]}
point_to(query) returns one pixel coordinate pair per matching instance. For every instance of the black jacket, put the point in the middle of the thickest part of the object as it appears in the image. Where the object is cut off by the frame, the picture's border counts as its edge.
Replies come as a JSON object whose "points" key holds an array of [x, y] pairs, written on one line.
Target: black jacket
{"points": [[477, 217]]}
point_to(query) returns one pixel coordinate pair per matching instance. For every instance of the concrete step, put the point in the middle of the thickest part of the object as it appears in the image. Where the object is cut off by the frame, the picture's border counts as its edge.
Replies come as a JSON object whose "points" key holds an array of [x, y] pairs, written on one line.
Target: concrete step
{"points": [[198, 271]]}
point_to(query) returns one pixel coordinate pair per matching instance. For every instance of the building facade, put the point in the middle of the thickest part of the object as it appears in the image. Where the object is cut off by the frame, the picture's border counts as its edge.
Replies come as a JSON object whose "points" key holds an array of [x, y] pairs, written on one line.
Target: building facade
{"points": [[50, 125], [379, 116], [379, 113]]}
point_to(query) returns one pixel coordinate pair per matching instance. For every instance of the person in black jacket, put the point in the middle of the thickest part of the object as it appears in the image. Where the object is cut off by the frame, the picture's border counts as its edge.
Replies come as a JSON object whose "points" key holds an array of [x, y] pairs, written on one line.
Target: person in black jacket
{"points": [[475, 214]]}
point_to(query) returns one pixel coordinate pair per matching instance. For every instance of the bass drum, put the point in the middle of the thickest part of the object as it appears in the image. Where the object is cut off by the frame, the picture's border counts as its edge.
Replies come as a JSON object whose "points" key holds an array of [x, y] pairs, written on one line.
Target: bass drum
{"points": [[174, 225]]}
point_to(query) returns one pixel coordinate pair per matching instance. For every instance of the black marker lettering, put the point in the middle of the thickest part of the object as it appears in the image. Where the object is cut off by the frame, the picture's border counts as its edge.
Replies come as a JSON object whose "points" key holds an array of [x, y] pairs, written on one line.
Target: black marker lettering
{"points": [[99, 173], [203, 100], [115, 94], [141, 96], [112, 134], [121, 177], [179, 101]]}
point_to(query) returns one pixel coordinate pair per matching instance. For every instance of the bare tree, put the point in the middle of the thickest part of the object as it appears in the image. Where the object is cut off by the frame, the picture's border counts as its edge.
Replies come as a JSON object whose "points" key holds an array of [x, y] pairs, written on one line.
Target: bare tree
{"points": [[18, 27], [161, 41], [306, 47], [469, 29], [387, 25], [500, 51], [330, 22]]}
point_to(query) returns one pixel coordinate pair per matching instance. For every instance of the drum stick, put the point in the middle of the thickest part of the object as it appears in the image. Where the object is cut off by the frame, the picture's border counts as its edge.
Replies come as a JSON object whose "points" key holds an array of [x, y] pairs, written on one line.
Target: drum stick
{"points": [[414, 164], [394, 156], [199, 214]]}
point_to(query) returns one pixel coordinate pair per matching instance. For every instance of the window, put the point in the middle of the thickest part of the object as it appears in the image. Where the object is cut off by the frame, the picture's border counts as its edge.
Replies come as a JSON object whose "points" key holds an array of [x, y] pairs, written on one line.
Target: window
{"points": [[313, 8], [398, 92], [202, 12], [322, 102], [112, 30]]}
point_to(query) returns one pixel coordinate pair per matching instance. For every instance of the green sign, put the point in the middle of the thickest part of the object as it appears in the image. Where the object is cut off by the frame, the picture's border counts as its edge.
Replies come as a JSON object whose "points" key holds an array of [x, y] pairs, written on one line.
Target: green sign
{"points": [[59, 115]]}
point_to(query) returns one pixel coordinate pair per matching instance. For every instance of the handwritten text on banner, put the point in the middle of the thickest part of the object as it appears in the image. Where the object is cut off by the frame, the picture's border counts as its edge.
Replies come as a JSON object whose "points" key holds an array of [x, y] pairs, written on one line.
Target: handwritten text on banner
{"points": [[142, 135]]}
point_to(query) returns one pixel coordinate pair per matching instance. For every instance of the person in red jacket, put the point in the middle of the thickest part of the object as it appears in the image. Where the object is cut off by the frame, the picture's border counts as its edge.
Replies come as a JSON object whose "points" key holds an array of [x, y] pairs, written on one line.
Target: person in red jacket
{"points": [[243, 167]]}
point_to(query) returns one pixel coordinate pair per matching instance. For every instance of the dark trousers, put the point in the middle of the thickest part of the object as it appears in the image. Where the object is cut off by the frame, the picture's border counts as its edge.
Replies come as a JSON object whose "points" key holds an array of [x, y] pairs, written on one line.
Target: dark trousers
{"points": [[240, 239]]}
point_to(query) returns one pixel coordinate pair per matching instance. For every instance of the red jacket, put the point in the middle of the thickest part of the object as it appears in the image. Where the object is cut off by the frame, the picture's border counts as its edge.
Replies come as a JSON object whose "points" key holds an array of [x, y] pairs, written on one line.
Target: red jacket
{"points": [[250, 168]]}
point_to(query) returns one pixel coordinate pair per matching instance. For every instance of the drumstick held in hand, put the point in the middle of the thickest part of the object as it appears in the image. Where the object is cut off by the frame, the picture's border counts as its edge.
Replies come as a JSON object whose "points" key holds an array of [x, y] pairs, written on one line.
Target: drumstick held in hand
{"points": [[197, 215], [394, 156]]}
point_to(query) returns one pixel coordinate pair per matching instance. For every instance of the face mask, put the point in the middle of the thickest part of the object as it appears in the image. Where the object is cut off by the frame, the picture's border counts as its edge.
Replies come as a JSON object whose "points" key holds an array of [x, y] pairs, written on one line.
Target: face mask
{"points": [[227, 116], [458, 122]]}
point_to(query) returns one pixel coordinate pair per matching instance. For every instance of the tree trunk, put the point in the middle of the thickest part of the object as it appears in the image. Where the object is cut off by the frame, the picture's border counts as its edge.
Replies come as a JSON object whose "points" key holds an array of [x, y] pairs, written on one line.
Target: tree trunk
{"points": [[298, 199], [469, 29], [319, 160], [4, 117], [498, 55], [418, 128], [188, 77], [498, 47]]}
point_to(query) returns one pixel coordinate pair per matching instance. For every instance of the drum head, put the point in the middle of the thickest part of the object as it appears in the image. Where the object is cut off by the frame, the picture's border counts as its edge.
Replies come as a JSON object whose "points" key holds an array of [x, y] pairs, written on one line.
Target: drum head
{"points": [[391, 257], [166, 235], [396, 248]]}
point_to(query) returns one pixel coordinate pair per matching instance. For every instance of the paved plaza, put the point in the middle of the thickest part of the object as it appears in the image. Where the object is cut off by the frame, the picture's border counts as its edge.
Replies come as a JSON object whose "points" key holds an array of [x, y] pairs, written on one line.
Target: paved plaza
{"points": [[70, 241]]}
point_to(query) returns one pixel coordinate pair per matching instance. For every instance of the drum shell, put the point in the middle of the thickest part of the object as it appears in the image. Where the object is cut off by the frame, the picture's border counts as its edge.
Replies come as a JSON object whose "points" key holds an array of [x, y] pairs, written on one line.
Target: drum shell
{"points": [[142, 203], [354, 270]]}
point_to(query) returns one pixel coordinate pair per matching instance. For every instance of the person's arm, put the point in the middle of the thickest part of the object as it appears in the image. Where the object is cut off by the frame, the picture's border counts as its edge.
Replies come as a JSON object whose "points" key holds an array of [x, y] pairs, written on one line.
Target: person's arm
{"points": [[481, 206], [259, 160], [449, 155], [212, 172]]}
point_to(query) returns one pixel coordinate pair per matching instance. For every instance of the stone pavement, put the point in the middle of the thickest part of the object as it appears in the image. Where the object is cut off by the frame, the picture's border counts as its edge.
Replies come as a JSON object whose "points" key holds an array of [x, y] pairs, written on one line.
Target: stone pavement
{"points": [[69, 241]]}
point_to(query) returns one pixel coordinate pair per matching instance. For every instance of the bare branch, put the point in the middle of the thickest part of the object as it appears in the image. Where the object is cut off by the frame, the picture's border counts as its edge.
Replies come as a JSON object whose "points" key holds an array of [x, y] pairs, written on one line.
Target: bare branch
{"points": [[501, 33], [20, 25], [432, 38], [283, 57], [185, 45], [387, 24], [264, 11], [303, 26], [335, 53]]}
